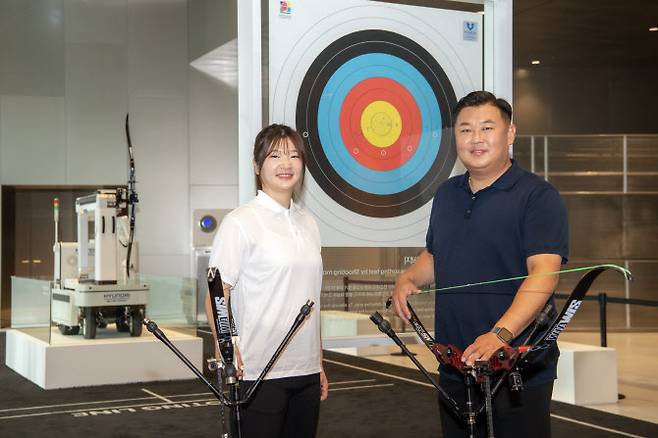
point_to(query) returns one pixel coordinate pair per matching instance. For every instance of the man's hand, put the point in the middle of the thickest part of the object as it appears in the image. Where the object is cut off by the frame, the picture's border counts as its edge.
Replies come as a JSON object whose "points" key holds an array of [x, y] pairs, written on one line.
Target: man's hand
{"points": [[403, 288], [407, 283], [482, 349], [324, 386]]}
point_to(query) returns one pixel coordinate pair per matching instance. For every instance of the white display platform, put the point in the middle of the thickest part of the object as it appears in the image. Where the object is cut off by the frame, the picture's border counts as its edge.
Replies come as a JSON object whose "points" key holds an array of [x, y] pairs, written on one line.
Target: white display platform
{"points": [[111, 358], [587, 374], [345, 332], [337, 323]]}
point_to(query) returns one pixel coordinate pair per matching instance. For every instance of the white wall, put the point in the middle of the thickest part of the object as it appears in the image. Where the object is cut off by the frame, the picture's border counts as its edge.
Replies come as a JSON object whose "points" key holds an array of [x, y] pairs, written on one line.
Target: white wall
{"points": [[69, 72], [213, 111], [213, 144]]}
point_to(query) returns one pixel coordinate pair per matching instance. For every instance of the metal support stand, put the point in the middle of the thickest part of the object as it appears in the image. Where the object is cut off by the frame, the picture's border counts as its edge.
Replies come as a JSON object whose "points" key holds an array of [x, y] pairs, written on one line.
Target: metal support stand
{"points": [[469, 414], [227, 373], [385, 327], [488, 399]]}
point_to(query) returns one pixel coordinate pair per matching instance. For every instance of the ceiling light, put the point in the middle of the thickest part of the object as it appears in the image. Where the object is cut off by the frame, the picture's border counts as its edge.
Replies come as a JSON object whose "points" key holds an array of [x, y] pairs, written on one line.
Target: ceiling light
{"points": [[653, 29], [535, 62]]}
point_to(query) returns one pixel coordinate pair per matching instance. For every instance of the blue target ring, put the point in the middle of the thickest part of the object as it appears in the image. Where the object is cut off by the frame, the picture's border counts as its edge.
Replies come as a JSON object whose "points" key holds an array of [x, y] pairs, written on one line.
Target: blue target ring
{"points": [[340, 67], [335, 91]]}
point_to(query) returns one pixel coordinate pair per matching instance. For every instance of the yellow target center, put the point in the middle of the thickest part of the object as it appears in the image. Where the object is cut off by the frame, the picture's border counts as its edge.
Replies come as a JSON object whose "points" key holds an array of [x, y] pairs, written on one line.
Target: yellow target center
{"points": [[381, 124]]}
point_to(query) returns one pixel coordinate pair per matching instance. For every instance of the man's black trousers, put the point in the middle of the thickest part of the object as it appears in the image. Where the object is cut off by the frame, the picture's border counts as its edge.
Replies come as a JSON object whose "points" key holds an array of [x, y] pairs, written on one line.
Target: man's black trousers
{"points": [[523, 414]]}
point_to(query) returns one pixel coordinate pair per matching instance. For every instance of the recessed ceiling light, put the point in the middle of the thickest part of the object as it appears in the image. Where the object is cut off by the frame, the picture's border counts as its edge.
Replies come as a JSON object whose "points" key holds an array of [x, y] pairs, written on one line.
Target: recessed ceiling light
{"points": [[535, 62], [481, 12], [653, 29]]}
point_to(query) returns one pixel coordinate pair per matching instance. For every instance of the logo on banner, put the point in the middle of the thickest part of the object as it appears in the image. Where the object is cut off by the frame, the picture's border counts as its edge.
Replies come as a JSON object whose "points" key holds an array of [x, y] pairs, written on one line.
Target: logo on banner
{"points": [[470, 31], [285, 8]]}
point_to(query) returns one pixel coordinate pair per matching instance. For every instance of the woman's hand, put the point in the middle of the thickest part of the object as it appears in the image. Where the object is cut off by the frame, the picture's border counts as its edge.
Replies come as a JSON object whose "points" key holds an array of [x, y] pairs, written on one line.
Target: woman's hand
{"points": [[236, 356], [238, 360], [324, 386]]}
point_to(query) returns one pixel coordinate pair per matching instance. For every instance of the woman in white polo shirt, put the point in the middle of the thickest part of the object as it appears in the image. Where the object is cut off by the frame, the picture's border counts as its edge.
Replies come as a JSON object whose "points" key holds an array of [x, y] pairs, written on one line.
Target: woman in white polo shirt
{"points": [[268, 254]]}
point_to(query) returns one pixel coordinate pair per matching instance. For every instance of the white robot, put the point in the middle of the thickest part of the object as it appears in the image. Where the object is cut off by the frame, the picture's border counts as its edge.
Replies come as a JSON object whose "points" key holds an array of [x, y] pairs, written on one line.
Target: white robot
{"points": [[95, 282]]}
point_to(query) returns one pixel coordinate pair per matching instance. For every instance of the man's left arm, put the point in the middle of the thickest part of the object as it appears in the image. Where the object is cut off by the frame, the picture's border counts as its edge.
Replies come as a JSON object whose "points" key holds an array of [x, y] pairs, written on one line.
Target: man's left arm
{"points": [[528, 302]]}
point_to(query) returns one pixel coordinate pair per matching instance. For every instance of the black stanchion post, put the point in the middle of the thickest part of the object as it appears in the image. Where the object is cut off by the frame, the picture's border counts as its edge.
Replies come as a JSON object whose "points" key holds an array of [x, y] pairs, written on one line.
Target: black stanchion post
{"points": [[603, 318]]}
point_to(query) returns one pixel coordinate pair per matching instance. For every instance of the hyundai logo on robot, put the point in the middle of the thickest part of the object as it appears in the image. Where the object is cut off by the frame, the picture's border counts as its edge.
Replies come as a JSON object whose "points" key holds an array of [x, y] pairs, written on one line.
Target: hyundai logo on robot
{"points": [[116, 297]]}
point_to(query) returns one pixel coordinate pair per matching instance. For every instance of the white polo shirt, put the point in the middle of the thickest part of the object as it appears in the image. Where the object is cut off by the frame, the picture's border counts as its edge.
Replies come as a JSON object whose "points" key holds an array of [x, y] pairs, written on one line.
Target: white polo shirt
{"points": [[271, 257]]}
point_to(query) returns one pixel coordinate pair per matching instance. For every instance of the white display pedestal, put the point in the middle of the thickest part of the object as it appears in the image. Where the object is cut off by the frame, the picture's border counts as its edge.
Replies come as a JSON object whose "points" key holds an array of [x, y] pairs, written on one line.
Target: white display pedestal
{"points": [[111, 358], [336, 323], [587, 374]]}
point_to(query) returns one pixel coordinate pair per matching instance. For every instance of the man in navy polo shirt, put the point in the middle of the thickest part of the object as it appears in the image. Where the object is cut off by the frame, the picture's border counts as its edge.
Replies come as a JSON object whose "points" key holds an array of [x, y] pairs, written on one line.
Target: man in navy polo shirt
{"points": [[495, 221]]}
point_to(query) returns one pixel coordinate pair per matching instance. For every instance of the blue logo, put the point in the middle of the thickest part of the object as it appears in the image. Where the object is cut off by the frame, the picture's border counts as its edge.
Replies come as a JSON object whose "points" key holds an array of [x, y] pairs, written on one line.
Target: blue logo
{"points": [[470, 31]]}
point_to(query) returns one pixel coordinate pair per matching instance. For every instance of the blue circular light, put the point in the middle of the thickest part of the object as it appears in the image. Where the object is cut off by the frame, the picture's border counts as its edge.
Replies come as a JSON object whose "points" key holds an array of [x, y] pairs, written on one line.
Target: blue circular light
{"points": [[208, 223]]}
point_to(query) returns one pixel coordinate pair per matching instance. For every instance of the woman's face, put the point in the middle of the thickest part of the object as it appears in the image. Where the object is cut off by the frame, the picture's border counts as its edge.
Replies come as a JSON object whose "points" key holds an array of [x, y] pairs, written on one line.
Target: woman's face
{"points": [[282, 169]]}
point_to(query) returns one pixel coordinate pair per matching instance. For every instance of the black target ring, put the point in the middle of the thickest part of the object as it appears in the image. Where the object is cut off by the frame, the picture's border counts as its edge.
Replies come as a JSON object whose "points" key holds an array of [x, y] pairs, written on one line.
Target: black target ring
{"points": [[311, 91]]}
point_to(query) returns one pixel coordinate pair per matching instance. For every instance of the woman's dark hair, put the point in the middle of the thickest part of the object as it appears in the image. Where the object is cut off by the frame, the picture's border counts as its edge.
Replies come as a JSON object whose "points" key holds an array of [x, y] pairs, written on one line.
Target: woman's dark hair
{"points": [[269, 138], [479, 98]]}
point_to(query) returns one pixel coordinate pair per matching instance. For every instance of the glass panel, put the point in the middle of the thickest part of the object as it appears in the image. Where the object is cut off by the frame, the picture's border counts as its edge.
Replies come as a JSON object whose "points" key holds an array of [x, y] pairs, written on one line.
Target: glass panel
{"points": [[595, 226], [30, 306], [642, 163], [586, 163], [357, 282], [585, 153], [640, 216], [540, 162], [172, 302], [586, 181], [642, 153], [523, 152]]}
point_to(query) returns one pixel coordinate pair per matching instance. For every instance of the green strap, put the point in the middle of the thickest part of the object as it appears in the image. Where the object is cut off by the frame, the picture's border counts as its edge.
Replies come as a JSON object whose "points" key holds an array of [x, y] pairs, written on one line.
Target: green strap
{"points": [[621, 269]]}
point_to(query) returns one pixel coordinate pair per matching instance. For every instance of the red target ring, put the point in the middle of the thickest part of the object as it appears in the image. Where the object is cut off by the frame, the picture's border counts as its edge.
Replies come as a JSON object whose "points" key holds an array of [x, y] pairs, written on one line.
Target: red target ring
{"points": [[359, 147]]}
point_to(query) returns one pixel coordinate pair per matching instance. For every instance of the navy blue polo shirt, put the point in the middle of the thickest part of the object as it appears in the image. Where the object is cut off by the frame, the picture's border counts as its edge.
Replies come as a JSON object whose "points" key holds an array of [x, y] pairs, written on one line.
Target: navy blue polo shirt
{"points": [[488, 235]]}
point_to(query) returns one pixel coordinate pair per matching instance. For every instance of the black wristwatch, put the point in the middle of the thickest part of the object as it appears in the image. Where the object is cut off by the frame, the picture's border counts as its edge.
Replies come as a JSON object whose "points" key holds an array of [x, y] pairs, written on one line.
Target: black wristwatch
{"points": [[503, 334]]}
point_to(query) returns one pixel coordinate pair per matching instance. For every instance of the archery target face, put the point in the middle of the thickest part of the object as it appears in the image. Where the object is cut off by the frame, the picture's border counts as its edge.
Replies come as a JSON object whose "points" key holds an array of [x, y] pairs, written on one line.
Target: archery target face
{"points": [[373, 107], [370, 88]]}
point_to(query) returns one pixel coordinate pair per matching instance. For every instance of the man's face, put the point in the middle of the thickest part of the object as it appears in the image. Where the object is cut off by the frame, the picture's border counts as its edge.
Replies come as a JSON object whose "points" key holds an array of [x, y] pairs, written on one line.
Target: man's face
{"points": [[483, 137]]}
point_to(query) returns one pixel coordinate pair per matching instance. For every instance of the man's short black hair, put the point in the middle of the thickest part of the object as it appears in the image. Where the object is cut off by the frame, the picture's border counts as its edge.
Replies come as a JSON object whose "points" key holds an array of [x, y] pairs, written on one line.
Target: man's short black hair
{"points": [[479, 98]]}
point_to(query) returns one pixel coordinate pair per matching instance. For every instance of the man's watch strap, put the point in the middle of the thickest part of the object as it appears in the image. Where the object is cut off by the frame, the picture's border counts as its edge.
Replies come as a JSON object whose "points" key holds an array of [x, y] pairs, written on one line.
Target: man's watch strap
{"points": [[503, 334]]}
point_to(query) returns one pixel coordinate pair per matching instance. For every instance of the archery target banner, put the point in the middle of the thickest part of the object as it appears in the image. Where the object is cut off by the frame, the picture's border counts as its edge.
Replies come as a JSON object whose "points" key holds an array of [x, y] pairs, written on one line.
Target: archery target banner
{"points": [[370, 86]]}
